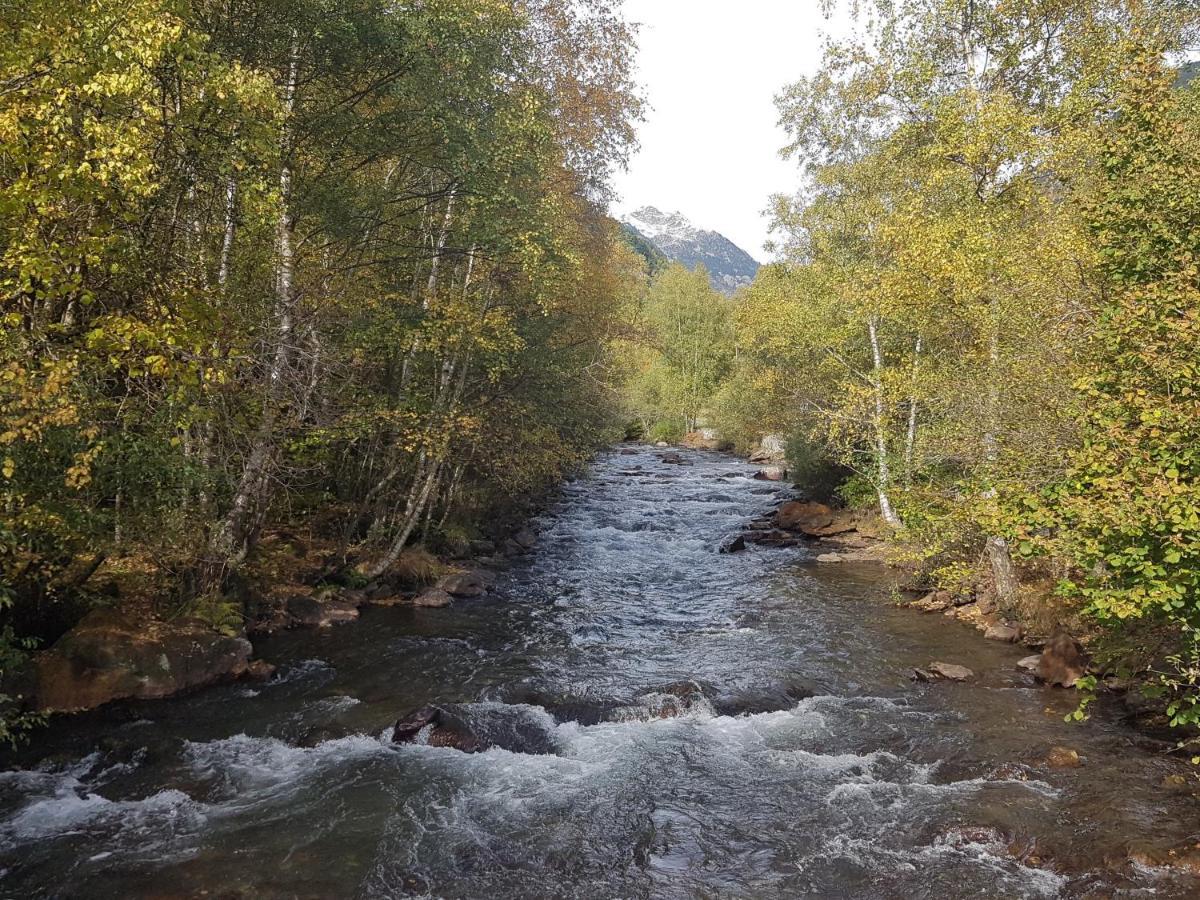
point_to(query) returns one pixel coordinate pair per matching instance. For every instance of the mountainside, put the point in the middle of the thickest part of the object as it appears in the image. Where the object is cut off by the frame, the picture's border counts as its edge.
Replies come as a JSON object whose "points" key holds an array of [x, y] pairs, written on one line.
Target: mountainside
{"points": [[729, 266]]}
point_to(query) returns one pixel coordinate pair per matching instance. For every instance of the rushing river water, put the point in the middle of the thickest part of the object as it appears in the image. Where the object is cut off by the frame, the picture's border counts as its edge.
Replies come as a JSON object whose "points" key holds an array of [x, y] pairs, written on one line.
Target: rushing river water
{"points": [[815, 767]]}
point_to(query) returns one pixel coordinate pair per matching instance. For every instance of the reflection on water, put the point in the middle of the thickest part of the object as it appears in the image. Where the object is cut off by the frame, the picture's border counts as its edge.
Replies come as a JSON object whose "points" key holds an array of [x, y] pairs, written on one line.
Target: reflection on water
{"points": [[796, 760]]}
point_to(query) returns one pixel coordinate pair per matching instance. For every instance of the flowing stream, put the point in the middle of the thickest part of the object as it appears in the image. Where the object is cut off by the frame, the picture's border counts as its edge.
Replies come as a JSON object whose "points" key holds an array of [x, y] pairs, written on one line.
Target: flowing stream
{"points": [[811, 765]]}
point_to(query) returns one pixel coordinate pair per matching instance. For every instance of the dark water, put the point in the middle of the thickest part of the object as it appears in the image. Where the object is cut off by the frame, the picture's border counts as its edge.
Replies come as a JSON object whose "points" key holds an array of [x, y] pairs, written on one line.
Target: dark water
{"points": [[870, 787]]}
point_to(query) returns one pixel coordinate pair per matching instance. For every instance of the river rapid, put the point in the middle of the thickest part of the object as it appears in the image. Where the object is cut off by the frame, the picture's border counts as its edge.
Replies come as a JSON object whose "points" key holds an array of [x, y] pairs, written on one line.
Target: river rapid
{"points": [[813, 765]]}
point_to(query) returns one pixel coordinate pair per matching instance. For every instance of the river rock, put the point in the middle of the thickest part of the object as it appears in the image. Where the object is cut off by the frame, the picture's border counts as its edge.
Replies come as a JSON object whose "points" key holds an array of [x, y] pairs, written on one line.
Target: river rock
{"points": [[629, 451], [434, 726], [735, 544], [667, 701], [1008, 634], [1062, 758], [770, 473], [463, 585], [943, 670], [934, 601], [259, 670], [109, 656], [432, 598], [1063, 662], [1184, 859], [813, 519], [774, 538], [525, 538], [1029, 663], [472, 728], [307, 611]]}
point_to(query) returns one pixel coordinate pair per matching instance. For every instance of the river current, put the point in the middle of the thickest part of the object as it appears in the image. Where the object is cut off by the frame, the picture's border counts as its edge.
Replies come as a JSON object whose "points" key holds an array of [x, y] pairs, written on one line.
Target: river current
{"points": [[813, 767]]}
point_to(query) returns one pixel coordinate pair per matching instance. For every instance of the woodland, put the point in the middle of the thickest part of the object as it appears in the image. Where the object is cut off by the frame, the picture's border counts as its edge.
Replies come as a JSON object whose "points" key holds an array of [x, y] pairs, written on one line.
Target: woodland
{"points": [[340, 274]]}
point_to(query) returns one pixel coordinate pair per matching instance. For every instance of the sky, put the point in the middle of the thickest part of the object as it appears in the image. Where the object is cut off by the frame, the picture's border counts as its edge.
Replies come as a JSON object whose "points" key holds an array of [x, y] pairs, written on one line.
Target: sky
{"points": [[710, 70]]}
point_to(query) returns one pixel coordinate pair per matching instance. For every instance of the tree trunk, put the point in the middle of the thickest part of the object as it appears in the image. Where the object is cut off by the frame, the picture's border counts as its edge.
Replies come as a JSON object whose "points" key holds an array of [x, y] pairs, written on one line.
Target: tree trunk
{"points": [[910, 437], [882, 468], [231, 539]]}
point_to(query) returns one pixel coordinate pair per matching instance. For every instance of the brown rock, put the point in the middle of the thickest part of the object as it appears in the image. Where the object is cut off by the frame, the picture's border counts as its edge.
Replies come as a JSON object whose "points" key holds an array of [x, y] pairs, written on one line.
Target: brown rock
{"points": [[1062, 758], [771, 473], [109, 657], [1184, 859], [1029, 663], [1008, 634], [432, 598], [258, 670], [774, 538], [935, 601], [804, 516], [1063, 661], [950, 671], [463, 584]]}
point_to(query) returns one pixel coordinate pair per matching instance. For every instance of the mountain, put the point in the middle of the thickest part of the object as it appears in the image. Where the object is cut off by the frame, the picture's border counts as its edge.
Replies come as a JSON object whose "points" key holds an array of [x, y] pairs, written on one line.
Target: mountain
{"points": [[654, 257], [729, 266]]}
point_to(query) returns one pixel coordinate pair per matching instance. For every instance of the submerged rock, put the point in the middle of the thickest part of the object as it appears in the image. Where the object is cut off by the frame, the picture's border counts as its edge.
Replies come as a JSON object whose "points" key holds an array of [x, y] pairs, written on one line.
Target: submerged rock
{"points": [[472, 728], [734, 544], [109, 656], [1062, 758], [936, 671]]}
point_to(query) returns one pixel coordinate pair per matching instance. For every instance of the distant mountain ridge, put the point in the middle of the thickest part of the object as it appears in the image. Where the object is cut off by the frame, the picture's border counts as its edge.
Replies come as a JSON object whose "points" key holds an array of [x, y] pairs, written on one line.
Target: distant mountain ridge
{"points": [[729, 266]]}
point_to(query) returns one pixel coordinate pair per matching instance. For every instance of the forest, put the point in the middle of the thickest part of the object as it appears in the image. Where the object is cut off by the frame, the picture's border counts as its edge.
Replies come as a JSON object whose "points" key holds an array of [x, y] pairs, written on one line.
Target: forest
{"points": [[338, 277], [984, 320], [334, 269]]}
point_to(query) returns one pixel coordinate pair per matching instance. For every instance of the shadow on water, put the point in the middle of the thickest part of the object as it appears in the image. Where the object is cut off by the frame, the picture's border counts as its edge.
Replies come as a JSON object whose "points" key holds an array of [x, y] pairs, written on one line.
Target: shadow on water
{"points": [[660, 720]]}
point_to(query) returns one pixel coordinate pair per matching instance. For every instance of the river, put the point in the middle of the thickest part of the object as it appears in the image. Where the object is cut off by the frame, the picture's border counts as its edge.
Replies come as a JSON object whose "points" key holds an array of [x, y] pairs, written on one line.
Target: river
{"points": [[814, 767]]}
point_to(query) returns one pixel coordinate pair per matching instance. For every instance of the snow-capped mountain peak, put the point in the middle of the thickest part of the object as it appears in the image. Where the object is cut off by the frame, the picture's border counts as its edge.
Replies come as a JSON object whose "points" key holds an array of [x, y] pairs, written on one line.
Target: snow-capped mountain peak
{"points": [[729, 266]]}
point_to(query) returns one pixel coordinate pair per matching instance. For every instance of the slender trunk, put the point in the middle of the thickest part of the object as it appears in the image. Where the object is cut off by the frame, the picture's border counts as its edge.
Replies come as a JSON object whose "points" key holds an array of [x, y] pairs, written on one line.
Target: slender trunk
{"points": [[1004, 572], [418, 496], [882, 468], [231, 540], [430, 290], [910, 437], [230, 228]]}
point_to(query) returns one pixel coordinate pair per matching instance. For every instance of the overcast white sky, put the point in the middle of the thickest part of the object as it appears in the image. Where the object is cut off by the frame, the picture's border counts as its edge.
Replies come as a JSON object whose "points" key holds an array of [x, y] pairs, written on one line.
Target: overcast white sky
{"points": [[710, 70]]}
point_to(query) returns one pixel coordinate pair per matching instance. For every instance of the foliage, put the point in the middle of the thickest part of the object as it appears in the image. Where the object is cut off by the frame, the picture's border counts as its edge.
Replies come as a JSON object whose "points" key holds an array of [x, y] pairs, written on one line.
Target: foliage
{"points": [[263, 264], [684, 353], [986, 305]]}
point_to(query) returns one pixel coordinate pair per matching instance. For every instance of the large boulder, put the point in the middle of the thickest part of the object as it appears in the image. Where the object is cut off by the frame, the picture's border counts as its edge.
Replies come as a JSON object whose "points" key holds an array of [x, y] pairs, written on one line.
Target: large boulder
{"points": [[813, 519], [109, 656], [1063, 661]]}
